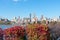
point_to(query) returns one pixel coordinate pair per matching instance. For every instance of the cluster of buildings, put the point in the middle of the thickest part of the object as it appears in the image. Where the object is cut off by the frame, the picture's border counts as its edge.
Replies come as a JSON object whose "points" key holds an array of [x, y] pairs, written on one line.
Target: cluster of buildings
{"points": [[34, 19], [30, 19], [25, 20], [4, 21]]}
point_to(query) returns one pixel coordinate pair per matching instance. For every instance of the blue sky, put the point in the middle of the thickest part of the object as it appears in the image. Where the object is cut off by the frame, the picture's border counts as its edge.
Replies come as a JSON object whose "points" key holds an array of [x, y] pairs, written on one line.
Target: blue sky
{"points": [[22, 8]]}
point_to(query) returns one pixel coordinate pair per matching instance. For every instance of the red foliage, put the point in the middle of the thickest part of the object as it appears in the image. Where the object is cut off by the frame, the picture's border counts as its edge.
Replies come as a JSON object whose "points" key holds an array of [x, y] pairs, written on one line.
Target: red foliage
{"points": [[39, 31], [14, 32]]}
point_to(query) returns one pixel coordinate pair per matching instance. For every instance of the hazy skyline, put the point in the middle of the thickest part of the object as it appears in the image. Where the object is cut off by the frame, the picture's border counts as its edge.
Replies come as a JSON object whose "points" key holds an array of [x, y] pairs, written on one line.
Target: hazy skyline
{"points": [[22, 8]]}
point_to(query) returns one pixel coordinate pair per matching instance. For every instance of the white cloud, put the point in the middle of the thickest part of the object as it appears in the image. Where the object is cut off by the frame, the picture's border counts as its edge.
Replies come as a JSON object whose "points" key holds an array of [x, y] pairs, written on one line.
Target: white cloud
{"points": [[19, 0]]}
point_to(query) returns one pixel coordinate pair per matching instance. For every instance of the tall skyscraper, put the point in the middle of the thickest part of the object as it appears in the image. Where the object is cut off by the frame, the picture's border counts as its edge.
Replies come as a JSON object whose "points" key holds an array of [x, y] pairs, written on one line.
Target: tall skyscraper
{"points": [[59, 17], [30, 17], [41, 17]]}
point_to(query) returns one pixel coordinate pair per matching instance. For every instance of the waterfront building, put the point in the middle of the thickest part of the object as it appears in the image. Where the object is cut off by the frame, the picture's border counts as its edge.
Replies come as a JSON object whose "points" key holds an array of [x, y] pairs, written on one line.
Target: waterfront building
{"points": [[55, 19], [15, 19], [30, 17], [42, 18], [59, 17], [18, 20], [26, 20], [34, 19]]}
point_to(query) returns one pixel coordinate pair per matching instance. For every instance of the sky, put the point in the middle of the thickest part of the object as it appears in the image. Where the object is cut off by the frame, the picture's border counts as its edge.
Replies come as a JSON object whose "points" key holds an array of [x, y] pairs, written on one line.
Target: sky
{"points": [[22, 8]]}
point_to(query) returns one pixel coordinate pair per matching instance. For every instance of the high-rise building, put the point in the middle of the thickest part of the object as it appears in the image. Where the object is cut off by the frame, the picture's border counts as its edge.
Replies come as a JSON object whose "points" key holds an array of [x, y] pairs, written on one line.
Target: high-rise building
{"points": [[30, 17], [59, 17], [42, 18], [35, 19]]}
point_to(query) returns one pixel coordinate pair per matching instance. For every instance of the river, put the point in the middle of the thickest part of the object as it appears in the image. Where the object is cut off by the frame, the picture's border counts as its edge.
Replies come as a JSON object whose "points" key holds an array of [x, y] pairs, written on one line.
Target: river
{"points": [[5, 26]]}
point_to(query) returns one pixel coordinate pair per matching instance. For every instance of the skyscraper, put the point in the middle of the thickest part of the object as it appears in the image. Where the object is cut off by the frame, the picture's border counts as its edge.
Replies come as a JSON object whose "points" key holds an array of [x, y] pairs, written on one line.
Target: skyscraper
{"points": [[30, 17], [59, 17]]}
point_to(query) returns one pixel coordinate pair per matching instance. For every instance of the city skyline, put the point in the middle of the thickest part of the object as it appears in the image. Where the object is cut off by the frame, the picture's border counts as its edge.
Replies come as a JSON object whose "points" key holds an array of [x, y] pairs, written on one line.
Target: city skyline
{"points": [[22, 8]]}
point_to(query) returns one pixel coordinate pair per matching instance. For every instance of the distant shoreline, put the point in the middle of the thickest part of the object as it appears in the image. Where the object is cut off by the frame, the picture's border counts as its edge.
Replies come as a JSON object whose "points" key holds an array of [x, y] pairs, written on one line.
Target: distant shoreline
{"points": [[5, 24]]}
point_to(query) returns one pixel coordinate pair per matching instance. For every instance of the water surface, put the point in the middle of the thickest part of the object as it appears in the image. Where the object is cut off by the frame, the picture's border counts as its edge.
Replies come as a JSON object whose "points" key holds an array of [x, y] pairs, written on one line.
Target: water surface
{"points": [[5, 26]]}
